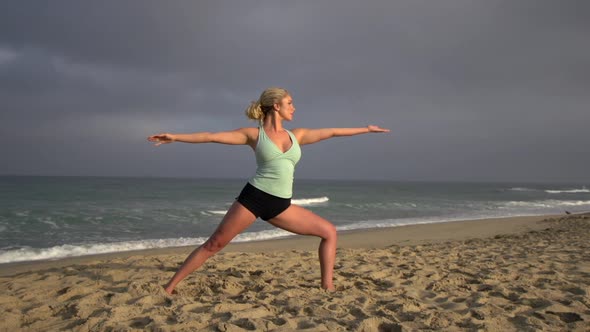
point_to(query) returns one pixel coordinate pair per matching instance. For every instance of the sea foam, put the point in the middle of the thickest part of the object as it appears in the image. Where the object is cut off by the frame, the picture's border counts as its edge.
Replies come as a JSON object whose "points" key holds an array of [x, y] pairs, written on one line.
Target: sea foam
{"points": [[550, 203], [521, 189], [568, 191], [69, 250], [554, 191], [297, 201], [310, 201]]}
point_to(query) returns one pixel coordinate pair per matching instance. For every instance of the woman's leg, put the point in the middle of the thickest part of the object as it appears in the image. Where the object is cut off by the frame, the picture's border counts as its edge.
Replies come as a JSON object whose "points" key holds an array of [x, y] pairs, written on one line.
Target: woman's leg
{"points": [[301, 221], [236, 220]]}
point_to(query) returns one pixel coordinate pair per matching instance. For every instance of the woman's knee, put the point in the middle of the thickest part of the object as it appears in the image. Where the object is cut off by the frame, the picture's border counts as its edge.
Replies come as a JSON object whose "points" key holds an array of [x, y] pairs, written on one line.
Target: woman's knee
{"points": [[330, 232], [215, 243]]}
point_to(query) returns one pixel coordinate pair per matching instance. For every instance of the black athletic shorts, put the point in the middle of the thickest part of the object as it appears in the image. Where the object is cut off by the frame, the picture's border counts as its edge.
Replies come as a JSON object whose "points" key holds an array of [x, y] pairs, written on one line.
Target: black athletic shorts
{"points": [[261, 204]]}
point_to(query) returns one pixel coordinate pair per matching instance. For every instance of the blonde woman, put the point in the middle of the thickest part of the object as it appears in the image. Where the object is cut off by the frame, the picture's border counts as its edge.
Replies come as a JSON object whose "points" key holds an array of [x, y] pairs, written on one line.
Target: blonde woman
{"points": [[268, 193]]}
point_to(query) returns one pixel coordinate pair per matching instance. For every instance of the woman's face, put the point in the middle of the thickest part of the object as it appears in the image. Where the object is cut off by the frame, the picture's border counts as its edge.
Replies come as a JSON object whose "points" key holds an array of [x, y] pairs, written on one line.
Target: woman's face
{"points": [[286, 108]]}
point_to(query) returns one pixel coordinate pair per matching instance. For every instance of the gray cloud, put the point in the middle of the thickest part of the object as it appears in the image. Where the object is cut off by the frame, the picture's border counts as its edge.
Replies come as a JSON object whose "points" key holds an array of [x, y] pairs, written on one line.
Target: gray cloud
{"points": [[493, 90]]}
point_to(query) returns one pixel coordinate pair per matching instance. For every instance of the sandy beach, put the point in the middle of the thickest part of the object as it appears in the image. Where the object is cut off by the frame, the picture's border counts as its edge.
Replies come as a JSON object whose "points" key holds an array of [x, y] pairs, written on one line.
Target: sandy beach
{"points": [[511, 274]]}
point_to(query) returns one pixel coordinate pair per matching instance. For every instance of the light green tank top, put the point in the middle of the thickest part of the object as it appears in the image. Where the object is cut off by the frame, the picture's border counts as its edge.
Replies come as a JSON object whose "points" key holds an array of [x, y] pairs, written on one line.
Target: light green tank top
{"points": [[274, 174]]}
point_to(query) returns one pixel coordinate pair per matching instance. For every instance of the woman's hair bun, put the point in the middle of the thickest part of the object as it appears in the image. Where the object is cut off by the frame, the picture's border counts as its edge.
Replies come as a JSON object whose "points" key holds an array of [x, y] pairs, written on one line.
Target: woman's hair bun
{"points": [[254, 111]]}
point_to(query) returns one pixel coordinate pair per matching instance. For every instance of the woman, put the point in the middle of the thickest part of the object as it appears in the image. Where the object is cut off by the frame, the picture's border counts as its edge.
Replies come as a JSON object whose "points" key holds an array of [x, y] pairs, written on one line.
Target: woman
{"points": [[268, 194]]}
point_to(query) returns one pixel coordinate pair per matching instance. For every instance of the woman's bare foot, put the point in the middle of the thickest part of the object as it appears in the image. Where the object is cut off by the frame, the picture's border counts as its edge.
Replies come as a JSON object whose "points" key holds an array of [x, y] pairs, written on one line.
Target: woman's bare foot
{"points": [[169, 291], [330, 288]]}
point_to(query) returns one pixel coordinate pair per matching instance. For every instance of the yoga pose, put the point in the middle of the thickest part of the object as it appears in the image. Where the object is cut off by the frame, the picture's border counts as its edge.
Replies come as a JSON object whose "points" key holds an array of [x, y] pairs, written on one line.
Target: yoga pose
{"points": [[268, 193]]}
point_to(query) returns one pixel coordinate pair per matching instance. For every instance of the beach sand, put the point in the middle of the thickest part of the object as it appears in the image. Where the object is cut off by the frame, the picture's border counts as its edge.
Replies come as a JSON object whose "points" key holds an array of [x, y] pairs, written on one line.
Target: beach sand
{"points": [[512, 274]]}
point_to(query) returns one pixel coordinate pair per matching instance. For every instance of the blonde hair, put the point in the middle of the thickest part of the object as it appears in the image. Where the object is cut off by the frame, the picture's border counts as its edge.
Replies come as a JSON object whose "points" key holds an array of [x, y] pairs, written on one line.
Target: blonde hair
{"points": [[260, 108]]}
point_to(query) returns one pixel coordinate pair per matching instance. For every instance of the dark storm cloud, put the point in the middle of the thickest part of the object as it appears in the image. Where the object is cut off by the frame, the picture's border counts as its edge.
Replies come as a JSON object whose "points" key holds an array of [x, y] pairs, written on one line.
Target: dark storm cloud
{"points": [[472, 90]]}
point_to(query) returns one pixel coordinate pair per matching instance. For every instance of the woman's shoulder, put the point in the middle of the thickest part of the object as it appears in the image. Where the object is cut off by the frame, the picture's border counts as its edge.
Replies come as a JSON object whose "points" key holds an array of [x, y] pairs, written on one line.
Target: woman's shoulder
{"points": [[248, 130], [251, 132], [298, 132]]}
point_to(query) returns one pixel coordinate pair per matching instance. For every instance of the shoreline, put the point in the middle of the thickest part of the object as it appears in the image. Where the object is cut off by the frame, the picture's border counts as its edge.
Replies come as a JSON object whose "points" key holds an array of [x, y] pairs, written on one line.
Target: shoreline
{"points": [[508, 274], [380, 237]]}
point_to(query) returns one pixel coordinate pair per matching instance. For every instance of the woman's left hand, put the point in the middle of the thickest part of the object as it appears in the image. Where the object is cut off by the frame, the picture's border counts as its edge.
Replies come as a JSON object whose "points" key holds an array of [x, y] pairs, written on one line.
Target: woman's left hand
{"points": [[377, 129]]}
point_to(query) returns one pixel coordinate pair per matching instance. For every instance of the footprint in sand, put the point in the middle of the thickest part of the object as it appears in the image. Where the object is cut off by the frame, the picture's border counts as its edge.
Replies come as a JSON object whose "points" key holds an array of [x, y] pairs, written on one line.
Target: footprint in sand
{"points": [[567, 317]]}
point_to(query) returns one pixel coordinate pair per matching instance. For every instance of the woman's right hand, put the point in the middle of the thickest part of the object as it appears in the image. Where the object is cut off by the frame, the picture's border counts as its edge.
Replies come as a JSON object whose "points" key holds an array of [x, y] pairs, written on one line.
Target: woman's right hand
{"points": [[164, 138]]}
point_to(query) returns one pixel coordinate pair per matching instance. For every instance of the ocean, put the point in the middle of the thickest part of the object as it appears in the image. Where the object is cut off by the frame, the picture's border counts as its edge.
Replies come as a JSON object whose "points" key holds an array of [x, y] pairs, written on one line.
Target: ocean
{"points": [[44, 217]]}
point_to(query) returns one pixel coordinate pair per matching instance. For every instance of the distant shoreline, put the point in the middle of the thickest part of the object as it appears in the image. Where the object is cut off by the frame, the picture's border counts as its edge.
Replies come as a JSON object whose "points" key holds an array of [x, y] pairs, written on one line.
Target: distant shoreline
{"points": [[361, 238], [245, 178]]}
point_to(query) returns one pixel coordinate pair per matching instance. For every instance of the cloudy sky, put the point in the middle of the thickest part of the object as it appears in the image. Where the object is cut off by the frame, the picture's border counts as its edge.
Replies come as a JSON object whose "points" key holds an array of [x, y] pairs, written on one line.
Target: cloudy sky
{"points": [[471, 90]]}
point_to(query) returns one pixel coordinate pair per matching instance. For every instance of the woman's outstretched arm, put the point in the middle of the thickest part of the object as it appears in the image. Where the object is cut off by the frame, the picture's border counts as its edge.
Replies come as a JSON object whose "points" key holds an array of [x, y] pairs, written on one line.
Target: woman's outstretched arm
{"points": [[239, 136], [309, 136]]}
